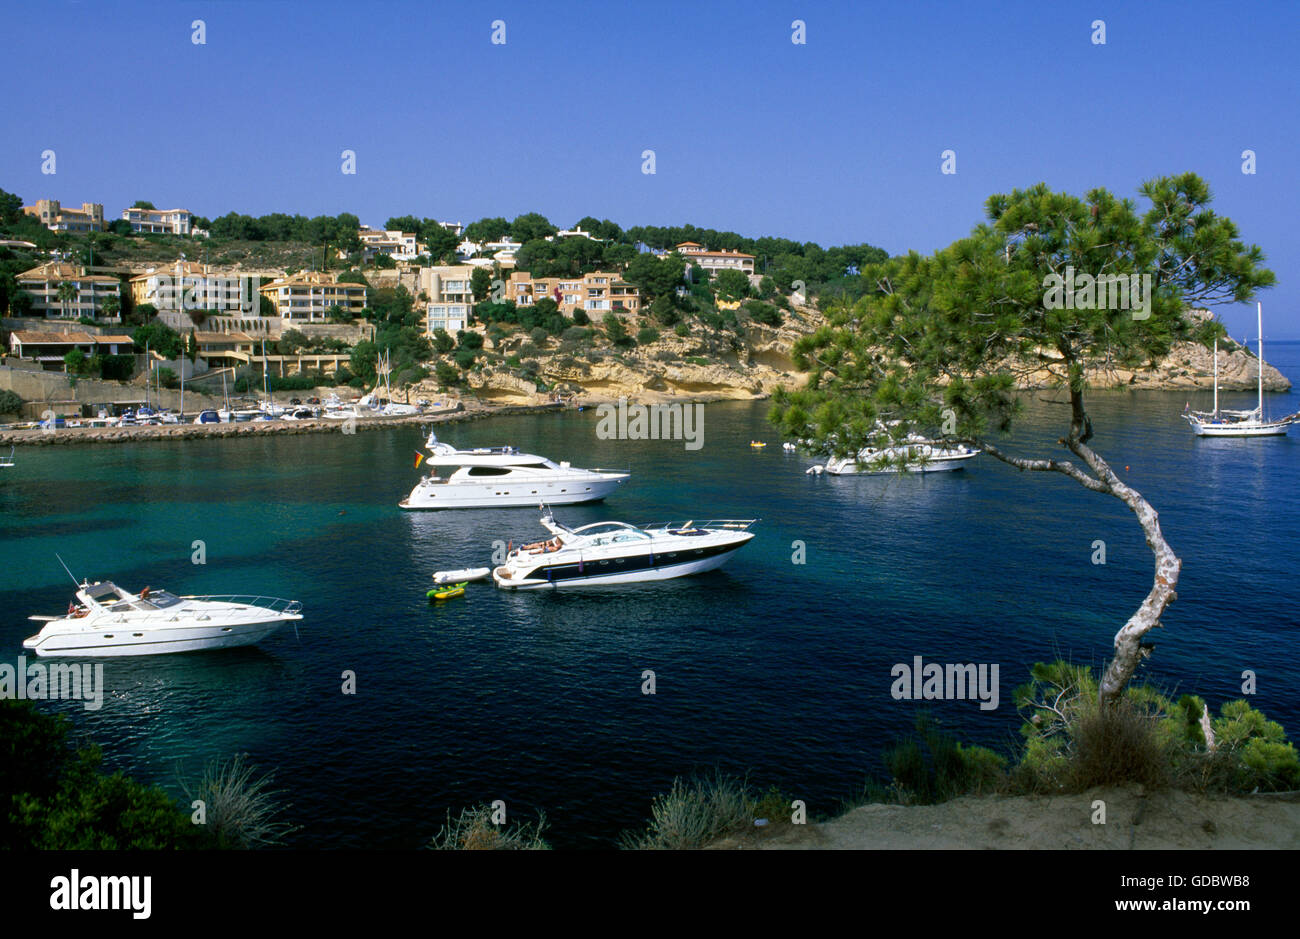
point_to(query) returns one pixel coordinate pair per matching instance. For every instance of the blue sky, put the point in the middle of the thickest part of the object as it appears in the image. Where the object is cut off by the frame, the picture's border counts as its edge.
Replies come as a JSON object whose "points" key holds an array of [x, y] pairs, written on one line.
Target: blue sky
{"points": [[835, 141]]}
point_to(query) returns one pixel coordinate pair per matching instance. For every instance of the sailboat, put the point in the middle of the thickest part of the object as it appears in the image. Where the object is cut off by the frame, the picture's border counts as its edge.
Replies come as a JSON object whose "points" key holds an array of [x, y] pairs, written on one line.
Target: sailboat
{"points": [[1223, 422]]}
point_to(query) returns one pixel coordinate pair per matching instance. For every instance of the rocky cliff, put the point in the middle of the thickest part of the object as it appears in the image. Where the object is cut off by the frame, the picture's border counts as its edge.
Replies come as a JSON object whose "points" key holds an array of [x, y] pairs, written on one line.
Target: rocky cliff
{"points": [[759, 360]]}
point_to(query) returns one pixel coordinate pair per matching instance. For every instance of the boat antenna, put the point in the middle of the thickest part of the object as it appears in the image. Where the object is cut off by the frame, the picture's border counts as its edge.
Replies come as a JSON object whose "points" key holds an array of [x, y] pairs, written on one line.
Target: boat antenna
{"points": [[65, 567]]}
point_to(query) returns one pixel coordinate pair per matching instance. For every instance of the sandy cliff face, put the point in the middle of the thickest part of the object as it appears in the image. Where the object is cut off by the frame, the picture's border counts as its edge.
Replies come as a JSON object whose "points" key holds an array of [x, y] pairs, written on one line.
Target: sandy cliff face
{"points": [[760, 361]]}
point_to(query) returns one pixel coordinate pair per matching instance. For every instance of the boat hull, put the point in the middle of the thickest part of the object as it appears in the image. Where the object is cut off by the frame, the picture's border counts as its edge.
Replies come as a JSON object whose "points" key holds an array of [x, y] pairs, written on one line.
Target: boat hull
{"points": [[110, 639], [1238, 430], [945, 464], [606, 572], [505, 495]]}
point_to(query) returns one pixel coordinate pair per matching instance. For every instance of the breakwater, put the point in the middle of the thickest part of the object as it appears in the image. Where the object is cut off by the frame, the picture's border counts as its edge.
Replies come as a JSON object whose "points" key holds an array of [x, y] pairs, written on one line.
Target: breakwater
{"points": [[89, 435]]}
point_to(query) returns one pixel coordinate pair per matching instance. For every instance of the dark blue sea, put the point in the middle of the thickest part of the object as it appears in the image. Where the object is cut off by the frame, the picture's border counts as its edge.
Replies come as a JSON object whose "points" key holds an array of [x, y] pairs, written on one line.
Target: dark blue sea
{"points": [[767, 667]]}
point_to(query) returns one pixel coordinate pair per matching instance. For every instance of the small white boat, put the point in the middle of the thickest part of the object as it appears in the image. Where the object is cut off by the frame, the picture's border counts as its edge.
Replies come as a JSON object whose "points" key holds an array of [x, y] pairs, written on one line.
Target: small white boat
{"points": [[915, 455], [464, 575], [106, 620], [7, 461]]}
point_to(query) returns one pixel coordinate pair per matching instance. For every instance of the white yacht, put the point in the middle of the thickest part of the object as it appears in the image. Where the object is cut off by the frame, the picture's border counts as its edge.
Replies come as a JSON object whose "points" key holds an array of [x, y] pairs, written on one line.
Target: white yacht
{"points": [[919, 455], [495, 477], [1223, 422], [619, 553], [105, 620]]}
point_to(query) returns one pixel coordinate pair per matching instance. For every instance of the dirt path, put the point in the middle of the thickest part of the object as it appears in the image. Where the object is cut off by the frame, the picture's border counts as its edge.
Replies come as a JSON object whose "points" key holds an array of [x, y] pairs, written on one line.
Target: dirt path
{"points": [[1134, 821]]}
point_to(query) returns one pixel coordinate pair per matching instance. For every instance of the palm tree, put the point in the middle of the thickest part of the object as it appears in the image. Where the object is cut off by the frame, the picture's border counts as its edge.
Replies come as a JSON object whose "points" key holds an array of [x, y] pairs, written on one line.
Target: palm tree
{"points": [[67, 291]]}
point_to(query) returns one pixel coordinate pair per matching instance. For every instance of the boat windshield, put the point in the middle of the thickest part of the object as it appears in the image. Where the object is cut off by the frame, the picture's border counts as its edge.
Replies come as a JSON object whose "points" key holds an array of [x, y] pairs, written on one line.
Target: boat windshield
{"points": [[612, 532]]}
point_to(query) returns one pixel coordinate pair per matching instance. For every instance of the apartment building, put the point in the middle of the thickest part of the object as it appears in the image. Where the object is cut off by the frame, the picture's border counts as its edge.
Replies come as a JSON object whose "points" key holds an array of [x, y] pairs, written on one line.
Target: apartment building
{"points": [[451, 296], [308, 296], [85, 297], [596, 293], [714, 261], [160, 221], [90, 217], [188, 285]]}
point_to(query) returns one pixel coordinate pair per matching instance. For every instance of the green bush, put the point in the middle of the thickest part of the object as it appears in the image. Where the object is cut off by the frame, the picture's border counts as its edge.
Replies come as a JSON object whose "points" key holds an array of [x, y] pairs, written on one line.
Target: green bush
{"points": [[647, 335], [10, 403]]}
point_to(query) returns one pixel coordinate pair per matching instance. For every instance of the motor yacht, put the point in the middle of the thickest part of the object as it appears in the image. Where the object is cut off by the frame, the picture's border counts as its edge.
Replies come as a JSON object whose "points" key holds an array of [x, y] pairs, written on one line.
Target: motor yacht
{"points": [[106, 620], [494, 477], [619, 553], [914, 455]]}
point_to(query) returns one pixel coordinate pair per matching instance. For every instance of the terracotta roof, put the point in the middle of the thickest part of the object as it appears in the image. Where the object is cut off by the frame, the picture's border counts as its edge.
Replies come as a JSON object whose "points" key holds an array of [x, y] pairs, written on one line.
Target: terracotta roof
{"points": [[34, 337], [57, 270]]}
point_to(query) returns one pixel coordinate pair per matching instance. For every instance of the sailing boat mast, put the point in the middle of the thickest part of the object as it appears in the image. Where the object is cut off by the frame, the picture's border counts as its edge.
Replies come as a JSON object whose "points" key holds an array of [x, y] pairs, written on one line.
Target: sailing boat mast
{"points": [[1259, 309], [1216, 376]]}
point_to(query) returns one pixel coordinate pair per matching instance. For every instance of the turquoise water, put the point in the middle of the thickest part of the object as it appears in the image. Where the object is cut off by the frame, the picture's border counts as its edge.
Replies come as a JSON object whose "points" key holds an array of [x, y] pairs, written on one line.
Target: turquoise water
{"points": [[778, 668]]}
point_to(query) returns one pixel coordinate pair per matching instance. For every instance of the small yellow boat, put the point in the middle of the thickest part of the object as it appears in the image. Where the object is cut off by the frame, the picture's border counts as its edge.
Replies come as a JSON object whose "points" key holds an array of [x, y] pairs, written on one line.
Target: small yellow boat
{"points": [[756, 444], [448, 592]]}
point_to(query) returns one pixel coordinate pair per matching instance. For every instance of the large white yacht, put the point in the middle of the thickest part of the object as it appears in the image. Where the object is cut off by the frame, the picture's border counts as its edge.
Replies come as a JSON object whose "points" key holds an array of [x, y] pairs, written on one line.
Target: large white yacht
{"points": [[618, 553], [916, 455], [492, 477], [105, 620]]}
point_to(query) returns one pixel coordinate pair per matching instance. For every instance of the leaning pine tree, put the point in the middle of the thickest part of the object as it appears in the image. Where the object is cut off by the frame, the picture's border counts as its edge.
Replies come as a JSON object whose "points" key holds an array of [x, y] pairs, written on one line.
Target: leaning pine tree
{"points": [[939, 345]]}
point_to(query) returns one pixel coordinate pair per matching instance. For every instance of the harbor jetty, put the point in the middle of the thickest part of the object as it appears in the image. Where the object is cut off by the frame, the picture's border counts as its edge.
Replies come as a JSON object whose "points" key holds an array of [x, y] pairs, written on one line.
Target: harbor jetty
{"points": [[42, 437]]}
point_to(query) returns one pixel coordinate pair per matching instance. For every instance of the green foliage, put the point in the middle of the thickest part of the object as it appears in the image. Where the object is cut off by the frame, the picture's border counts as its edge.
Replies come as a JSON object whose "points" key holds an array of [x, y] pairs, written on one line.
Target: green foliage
{"points": [[464, 357], [480, 282], [55, 798], [762, 312], [655, 277], [448, 375], [616, 332], [241, 810], [647, 335], [682, 329], [442, 341], [10, 403], [74, 362], [731, 285], [693, 814], [158, 337], [580, 318], [932, 766], [469, 339]]}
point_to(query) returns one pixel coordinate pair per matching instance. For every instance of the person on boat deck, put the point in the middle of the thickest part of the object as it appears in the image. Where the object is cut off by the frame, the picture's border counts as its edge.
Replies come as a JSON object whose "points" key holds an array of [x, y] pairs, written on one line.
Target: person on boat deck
{"points": [[144, 594]]}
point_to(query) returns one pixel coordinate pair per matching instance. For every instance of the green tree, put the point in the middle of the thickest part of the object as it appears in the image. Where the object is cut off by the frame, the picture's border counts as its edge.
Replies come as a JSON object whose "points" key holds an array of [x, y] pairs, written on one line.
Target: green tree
{"points": [[531, 226], [67, 293], [615, 331], [442, 341], [731, 285], [159, 337], [655, 277], [74, 362], [11, 207], [480, 283], [441, 242], [143, 204], [110, 307], [938, 343]]}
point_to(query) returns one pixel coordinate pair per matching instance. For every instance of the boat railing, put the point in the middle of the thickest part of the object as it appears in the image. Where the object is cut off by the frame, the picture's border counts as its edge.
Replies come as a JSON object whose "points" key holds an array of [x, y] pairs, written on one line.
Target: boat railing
{"points": [[275, 604], [736, 524]]}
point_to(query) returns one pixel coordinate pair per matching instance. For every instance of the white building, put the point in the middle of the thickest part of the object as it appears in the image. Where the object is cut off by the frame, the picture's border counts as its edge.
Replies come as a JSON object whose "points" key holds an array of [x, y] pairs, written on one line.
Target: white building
{"points": [[160, 221]]}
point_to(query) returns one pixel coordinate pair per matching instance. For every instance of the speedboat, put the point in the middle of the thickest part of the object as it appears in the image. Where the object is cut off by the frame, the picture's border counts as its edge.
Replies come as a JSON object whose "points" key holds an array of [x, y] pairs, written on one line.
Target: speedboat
{"points": [[492, 477], [916, 455], [618, 553], [106, 620]]}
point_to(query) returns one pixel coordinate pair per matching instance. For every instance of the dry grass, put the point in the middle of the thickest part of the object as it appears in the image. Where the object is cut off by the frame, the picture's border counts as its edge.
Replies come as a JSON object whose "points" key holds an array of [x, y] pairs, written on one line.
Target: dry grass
{"points": [[473, 830], [241, 810], [693, 814], [1118, 744]]}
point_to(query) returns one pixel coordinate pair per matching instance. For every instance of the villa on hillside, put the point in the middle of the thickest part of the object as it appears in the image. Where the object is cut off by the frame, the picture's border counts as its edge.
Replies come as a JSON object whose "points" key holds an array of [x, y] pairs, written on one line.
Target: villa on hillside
{"points": [[398, 245], [161, 222], [90, 217], [308, 296], [49, 348], [714, 261], [595, 294], [89, 291]]}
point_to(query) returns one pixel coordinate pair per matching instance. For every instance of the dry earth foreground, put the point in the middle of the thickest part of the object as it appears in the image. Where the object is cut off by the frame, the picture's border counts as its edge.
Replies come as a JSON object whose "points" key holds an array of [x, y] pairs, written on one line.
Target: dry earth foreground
{"points": [[1136, 819]]}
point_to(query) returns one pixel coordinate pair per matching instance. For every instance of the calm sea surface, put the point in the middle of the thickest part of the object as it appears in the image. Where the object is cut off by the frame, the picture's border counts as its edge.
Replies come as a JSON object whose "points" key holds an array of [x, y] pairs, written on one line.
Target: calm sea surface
{"points": [[766, 666]]}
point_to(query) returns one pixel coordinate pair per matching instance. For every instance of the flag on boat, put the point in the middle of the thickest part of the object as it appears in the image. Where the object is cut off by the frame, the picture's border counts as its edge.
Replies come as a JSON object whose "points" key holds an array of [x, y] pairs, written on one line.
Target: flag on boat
{"points": [[419, 458]]}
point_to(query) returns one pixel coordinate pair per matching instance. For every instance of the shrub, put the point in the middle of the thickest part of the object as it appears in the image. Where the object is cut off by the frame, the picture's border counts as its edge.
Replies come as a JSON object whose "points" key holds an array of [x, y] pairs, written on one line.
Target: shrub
{"points": [[682, 329], [647, 335], [464, 357], [241, 812], [580, 318], [10, 403], [691, 815], [473, 830], [447, 374], [932, 766], [539, 336]]}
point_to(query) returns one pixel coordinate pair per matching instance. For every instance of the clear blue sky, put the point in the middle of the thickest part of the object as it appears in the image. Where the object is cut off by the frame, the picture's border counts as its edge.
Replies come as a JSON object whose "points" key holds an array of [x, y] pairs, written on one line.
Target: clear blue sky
{"points": [[836, 141]]}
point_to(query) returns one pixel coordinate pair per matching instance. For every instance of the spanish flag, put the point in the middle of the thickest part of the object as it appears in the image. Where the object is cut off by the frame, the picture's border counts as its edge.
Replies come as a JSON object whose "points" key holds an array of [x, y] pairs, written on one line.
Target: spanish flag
{"points": [[419, 458]]}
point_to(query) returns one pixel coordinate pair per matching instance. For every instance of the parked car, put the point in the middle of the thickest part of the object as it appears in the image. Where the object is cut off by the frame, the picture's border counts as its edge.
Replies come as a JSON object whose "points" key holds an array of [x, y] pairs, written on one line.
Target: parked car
{"points": [[295, 401]]}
